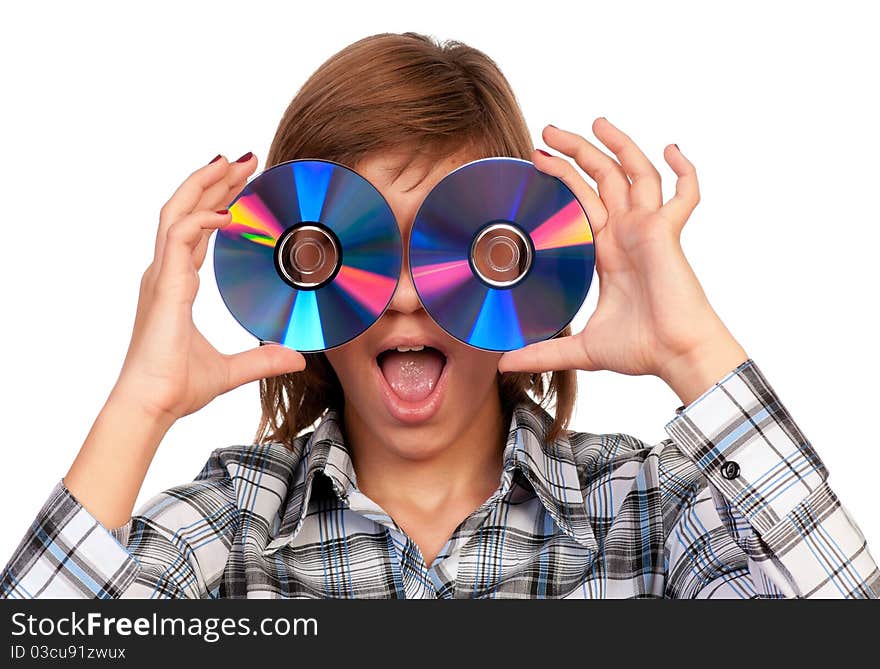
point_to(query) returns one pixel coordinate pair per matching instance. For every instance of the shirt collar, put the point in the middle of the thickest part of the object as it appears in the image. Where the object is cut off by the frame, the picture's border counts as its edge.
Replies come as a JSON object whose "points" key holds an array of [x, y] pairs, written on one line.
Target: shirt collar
{"points": [[324, 452], [549, 468]]}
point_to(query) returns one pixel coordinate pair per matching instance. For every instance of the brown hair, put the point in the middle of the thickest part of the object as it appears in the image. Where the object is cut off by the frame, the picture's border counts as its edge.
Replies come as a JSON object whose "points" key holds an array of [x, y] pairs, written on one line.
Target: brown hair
{"points": [[403, 92]]}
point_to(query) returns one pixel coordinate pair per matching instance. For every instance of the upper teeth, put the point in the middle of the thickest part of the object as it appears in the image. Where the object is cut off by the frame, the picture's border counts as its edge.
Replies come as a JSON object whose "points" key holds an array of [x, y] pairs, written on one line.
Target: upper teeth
{"points": [[404, 349]]}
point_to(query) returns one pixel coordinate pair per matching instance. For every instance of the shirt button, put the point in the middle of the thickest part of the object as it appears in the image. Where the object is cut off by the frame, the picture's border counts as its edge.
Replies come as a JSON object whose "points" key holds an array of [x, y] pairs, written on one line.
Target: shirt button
{"points": [[730, 470]]}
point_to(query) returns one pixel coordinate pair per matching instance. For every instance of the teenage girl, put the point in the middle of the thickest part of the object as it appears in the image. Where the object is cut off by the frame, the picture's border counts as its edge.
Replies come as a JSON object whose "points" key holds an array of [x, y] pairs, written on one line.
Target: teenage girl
{"points": [[433, 469]]}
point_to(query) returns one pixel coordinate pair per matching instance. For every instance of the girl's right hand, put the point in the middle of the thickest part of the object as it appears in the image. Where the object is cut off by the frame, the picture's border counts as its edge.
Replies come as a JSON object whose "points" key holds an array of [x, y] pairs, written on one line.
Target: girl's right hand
{"points": [[170, 369]]}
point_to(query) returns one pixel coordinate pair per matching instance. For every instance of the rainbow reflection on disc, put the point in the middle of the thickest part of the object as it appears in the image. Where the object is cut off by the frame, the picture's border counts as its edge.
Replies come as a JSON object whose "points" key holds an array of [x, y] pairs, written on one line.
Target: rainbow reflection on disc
{"points": [[312, 256], [501, 254]]}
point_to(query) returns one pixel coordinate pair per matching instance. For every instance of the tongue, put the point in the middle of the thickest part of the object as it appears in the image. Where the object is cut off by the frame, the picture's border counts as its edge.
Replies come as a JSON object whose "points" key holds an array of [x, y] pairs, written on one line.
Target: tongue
{"points": [[412, 375]]}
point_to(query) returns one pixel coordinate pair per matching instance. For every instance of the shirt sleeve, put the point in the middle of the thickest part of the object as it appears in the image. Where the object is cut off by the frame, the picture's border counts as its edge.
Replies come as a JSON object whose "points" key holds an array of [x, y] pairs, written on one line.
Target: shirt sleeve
{"points": [[176, 546], [766, 523], [68, 554]]}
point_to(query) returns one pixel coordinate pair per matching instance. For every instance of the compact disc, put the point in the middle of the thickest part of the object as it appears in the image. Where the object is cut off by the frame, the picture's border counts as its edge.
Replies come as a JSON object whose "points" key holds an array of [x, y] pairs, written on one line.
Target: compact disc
{"points": [[501, 254], [312, 255]]}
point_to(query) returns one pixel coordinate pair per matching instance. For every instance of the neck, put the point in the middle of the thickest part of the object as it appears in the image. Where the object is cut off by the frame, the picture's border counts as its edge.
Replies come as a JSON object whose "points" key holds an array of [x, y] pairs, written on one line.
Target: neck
{"points": [[466, 469]]}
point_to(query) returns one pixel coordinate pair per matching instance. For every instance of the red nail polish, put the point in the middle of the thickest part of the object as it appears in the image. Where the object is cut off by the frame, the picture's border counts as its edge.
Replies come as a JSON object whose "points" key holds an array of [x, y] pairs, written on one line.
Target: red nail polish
{"points": [[543, 152], [246, 157], [215, 159], [222, 212]]}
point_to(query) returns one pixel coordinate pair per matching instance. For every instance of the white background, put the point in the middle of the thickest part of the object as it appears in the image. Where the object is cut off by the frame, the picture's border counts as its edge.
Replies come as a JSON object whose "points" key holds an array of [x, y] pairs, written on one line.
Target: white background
{"points": [[105, 110]]}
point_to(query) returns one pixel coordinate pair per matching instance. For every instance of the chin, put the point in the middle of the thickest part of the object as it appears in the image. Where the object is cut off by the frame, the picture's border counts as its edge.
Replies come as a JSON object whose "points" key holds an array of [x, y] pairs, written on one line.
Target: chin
{"points": [[418, 443], [418, 440]]}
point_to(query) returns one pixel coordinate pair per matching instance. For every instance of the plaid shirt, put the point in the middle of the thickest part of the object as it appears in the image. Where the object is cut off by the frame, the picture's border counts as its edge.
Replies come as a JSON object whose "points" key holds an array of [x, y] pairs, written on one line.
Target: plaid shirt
{"points": [[733, 504]]}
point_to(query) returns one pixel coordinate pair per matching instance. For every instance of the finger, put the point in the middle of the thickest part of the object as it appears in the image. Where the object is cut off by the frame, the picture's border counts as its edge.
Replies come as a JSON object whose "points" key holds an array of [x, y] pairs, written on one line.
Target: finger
{"points": [[187, 196], [565, 171], [232, 191], [262, 362], [221, 194], [201, 249], [646, 190], [181, 241], [547, 356], [602, 168], [687, 188]]}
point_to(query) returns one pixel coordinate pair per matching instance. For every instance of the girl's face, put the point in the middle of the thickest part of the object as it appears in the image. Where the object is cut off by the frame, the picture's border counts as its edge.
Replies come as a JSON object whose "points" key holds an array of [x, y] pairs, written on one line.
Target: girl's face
{"points": [[414, 402]]}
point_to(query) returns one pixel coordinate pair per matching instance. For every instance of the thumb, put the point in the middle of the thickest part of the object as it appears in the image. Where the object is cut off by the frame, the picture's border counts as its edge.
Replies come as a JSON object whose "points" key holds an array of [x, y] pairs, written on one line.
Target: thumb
{"points": [[547, 356], [265, 361]]}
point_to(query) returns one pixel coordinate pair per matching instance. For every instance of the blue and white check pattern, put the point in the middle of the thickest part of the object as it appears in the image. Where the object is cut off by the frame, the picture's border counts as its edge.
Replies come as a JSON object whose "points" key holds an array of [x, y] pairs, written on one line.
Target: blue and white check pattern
{"points": [[734, 504]]}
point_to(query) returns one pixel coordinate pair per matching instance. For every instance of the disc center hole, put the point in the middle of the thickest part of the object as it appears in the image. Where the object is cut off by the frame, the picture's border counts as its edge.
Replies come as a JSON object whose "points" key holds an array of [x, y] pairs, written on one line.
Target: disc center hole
{"points": [[501, 255], [308, 256]]}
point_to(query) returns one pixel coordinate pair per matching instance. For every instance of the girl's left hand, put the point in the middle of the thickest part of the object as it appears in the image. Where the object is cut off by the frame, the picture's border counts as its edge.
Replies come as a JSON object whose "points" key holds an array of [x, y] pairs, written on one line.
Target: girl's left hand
{"points": [[652, 316]]}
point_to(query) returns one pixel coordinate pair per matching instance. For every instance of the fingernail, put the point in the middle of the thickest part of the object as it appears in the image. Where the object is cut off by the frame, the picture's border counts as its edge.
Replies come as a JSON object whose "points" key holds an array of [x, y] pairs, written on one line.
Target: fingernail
{"points": [[676, 146], [216, 158], [246, 157], [543, 152], [269, 343], [552, 126], [223, 212]]}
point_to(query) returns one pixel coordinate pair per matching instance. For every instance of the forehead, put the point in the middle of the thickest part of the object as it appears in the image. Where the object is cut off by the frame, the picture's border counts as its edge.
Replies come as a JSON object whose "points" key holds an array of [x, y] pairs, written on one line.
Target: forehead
{"points": [[405, 190]]}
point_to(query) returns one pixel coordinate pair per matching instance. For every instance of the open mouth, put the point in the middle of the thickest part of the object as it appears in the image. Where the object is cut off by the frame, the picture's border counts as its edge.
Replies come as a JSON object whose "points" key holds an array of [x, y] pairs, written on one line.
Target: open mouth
{"points": [[412, 372]]}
